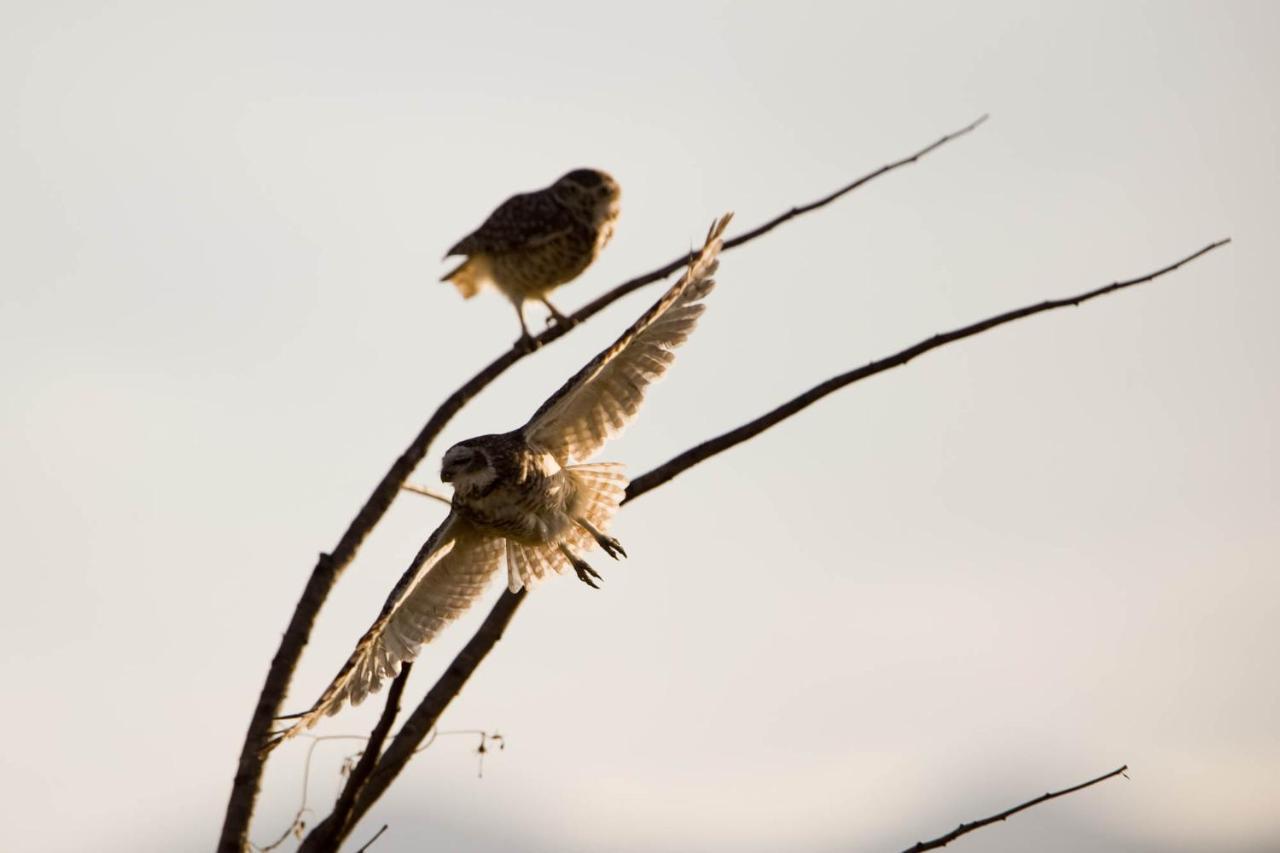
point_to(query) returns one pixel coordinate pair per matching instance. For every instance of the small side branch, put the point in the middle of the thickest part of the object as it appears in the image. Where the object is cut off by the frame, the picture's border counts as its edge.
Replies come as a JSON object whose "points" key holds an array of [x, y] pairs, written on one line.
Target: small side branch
{"points": [[966, 828], [427, 493], [369, 843], [423, 719], [734, 437], [330, 832], [848, 188]]}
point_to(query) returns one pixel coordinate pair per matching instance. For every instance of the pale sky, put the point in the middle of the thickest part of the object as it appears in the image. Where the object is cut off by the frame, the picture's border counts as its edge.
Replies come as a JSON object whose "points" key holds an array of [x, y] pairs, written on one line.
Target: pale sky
{"points": [[1013, 565]]}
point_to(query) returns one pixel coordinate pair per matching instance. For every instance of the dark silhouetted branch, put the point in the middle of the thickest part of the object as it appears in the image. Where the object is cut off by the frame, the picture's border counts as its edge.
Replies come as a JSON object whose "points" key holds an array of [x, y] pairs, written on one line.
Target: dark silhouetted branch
{"points": [[721, 443], [424, 717], [451, 683], [966, 828], [329, 833], [248, 777], [848, 188]]}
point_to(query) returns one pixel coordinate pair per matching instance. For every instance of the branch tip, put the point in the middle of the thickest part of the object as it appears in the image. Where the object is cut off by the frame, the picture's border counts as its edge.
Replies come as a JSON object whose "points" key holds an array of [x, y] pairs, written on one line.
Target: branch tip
{"points": [[966, 828]]}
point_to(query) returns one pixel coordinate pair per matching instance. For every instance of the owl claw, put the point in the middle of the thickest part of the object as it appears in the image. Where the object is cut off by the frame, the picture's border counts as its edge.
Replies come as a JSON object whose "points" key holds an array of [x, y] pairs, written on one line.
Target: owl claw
{"points": [[582, 567], [586, 573], [611, 546]]}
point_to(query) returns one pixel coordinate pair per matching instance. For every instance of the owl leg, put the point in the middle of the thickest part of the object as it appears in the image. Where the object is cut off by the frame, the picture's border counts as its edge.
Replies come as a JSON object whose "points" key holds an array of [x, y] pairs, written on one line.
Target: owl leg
{"points": [[582, 567], [611, 546], [559, 318], [526, 339]]}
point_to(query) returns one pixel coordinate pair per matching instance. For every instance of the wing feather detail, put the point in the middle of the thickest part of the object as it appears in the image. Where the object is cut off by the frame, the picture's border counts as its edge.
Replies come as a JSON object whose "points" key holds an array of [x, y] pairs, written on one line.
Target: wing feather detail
{"points": [[449, 572], [603, 397]]}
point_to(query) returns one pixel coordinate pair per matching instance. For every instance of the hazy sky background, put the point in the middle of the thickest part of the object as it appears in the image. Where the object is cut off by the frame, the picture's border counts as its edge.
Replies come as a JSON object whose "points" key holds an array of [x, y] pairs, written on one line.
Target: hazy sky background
{"points": [[1013, 565]]}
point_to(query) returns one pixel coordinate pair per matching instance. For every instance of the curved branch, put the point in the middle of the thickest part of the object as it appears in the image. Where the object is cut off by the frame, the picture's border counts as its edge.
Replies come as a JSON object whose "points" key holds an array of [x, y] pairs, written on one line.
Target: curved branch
{"points": [[450, 684], [248, 778], [424, 717], [721, 443], [966, 828], [330, 831]]}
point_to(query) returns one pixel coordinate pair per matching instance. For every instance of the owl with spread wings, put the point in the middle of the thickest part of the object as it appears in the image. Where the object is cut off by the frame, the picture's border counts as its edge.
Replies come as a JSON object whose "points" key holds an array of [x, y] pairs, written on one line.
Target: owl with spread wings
{"points": [[536, 241], [527, 498]]}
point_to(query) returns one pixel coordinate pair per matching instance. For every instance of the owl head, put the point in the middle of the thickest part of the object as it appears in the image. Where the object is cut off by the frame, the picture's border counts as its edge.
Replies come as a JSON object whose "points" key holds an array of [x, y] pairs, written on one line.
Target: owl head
{"points": [[591, 191], [467, 467]]}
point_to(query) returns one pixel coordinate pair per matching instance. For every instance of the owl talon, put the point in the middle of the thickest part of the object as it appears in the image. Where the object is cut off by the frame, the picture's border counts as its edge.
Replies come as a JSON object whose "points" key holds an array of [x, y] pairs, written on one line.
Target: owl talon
{"points": [[611, 546], [586, 573], [582, 567]]}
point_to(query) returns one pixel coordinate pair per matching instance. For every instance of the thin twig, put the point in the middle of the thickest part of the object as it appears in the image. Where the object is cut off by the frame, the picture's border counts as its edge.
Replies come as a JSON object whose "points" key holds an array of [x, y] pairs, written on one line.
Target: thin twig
{"points": [[424, 717], [248, 777], [329, 833], [966, 828], [376, 836], [296, 825], [848, 188], [428, 493]]}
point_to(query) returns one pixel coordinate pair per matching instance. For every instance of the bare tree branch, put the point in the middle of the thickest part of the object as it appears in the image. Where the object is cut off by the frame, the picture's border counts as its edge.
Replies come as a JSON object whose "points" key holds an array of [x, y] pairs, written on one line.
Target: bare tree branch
{"points": [[450, 684], [721, 443], [848, 188], [248, 777], [966, 828], [330, 831]]}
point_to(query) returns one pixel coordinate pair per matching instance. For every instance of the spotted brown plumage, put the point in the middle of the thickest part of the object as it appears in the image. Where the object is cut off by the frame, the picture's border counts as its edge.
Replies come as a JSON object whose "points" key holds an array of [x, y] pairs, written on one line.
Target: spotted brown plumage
{"points": [[527, 498], [534, 242]]}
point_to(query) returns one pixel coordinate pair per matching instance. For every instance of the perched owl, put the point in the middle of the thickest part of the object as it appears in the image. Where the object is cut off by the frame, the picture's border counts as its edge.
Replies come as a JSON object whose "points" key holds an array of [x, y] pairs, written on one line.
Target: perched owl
{"points": [[535, 242], [527, 498]]}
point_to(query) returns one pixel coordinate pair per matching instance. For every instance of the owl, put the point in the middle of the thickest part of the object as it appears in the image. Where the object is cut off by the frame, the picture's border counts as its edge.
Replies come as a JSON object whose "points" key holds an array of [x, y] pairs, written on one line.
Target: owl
{"points": [[528, 499], [535, 242]]}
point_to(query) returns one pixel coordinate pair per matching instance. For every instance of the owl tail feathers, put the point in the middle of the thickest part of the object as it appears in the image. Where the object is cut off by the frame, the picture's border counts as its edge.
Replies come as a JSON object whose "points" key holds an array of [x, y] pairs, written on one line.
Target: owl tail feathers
{"points": [[601, 487], [468, 276]]}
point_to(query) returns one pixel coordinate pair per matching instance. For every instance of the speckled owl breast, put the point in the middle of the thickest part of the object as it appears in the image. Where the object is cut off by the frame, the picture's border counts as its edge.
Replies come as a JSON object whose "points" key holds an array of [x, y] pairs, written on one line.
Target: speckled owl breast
{"points": [[526, 497], [535, 271]]}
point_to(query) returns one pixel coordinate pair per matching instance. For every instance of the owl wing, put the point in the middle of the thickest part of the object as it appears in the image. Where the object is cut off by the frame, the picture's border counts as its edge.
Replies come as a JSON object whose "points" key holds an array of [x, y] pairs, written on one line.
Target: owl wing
{"points": [[447, 575], [521, 222], [605, 395]]}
